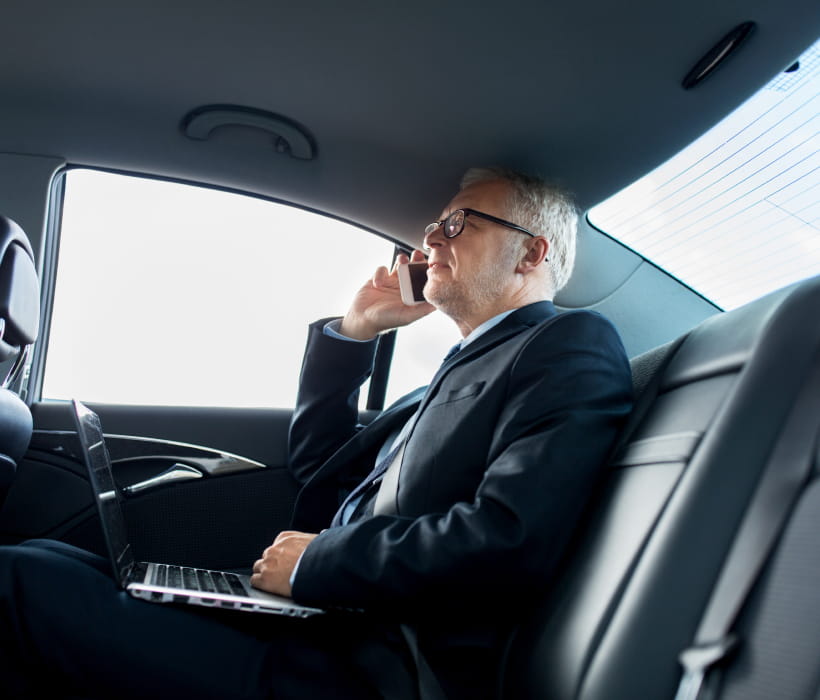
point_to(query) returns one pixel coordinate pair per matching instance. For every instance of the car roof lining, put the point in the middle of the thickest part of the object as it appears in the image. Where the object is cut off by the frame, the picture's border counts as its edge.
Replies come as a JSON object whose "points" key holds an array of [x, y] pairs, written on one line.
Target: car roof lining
{"points": [[385, 154]]}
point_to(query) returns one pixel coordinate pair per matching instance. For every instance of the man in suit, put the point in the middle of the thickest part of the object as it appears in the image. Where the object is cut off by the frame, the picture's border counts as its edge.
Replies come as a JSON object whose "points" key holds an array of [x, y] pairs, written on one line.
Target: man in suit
{"points": [[443, 520], [500, 452]]}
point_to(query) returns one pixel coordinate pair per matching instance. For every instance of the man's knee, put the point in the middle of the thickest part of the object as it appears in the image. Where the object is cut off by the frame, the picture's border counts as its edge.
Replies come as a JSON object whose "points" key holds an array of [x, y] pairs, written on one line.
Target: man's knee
{"points": [[14, 561], [32, 573], [70, 551]]}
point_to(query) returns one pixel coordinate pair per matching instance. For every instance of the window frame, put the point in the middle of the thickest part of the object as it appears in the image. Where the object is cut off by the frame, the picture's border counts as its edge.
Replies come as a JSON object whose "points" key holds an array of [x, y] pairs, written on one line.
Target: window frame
{"points": [[34, 371]]}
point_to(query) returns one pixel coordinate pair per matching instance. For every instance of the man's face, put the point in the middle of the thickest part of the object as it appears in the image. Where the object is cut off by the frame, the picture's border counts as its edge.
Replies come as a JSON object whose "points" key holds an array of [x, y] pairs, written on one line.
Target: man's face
{"points": [[473, 271]]}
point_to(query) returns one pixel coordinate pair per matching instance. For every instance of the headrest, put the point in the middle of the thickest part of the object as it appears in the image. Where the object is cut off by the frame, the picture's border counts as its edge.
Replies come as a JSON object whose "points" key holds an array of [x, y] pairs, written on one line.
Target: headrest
{"points": [[19, 291]]}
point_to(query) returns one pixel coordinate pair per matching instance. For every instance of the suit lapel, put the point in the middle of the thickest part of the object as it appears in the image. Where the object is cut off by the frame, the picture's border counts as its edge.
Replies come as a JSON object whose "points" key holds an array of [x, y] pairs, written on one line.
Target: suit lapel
{"points": [[518, 321], [373, 434]]}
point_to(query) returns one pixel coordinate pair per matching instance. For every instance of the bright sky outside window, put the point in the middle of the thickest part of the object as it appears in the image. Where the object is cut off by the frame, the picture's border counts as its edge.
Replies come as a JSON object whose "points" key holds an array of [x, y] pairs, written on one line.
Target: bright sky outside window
{"points": [[736, 214], [170, 294]]}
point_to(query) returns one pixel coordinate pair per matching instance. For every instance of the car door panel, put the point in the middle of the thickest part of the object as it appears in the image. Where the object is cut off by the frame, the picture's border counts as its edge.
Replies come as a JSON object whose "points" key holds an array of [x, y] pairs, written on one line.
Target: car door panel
{"points": [[223, 517], [258, 434]]}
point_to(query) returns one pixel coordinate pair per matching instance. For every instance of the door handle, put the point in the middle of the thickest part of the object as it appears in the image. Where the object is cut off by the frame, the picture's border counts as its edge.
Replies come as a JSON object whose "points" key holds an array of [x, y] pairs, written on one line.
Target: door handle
{"points": [[176, 472]]}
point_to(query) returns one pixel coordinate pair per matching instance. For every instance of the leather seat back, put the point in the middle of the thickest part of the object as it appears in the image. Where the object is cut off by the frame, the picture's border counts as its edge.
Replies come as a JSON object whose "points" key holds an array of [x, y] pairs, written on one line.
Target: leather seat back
{"points": [[19, 323], [641, 572]]}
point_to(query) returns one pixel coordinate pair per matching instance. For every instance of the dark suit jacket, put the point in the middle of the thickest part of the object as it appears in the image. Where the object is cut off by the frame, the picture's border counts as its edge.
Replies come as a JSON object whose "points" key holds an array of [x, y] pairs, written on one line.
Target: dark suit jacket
{"points": [[512, 434]]}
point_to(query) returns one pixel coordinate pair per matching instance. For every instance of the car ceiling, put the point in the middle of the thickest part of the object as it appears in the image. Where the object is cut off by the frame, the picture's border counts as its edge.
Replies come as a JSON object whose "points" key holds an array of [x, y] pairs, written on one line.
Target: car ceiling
{"points": [[399, 97]]}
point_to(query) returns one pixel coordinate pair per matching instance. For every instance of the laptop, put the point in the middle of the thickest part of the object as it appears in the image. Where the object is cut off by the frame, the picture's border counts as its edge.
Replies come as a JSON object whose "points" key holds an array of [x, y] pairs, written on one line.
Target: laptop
{"points": [[163, 583]]}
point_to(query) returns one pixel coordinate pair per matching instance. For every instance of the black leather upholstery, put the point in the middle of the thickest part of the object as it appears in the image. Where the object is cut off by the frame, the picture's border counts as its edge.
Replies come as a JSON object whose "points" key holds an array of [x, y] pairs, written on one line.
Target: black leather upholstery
{"points": [[19, 321], [19, 291], [642, 571]]}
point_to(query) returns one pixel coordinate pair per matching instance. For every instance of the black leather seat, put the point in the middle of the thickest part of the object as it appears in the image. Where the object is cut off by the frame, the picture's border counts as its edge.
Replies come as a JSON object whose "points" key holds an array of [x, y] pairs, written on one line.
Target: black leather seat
{"points": [[19, 322], [642, 572]]}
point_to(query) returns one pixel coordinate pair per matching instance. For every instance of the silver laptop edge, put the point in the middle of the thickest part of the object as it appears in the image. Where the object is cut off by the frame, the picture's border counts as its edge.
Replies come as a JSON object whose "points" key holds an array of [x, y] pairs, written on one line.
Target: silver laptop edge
{"points": [[107, 497]]}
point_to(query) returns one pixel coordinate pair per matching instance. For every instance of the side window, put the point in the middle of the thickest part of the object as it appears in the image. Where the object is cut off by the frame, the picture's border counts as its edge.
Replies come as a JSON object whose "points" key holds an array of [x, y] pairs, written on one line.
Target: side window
{"points": [[180, 295]]}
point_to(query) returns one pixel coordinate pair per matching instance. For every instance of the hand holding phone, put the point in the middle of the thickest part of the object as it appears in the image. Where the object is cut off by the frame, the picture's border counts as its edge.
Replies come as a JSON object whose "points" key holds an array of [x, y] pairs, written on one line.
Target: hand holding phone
{"points": [[387, 300], [412, 278]]}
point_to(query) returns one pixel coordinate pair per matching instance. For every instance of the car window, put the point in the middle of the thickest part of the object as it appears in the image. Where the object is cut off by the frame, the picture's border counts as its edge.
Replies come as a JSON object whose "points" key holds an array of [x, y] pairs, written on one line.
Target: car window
{"points": [[170, 294], [734, 215]]}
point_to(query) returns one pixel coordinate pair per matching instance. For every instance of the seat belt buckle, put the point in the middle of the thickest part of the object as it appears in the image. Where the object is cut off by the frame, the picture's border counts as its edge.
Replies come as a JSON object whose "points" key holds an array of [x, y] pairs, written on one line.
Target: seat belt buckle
{"points": [[696, 662]]}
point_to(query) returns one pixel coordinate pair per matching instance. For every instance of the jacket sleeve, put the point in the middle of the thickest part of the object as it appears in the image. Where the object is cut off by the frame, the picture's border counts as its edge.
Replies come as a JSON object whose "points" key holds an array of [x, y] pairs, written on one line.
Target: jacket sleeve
{"points": [[568, 390], [326, 413]]}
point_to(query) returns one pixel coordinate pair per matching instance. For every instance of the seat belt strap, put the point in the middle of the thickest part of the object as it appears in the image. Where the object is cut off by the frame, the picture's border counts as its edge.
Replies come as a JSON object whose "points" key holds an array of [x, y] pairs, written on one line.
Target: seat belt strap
{"points": [[781, 482], [386, 502]]}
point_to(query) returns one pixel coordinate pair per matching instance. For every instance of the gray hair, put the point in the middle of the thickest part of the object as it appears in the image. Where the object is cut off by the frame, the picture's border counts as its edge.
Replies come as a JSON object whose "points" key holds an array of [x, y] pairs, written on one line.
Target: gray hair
{"points": [[542, 208]]}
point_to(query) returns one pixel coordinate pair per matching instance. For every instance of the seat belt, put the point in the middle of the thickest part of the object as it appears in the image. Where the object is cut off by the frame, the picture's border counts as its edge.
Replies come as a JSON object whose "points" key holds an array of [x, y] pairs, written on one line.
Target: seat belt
{"points": [[783, 478]]}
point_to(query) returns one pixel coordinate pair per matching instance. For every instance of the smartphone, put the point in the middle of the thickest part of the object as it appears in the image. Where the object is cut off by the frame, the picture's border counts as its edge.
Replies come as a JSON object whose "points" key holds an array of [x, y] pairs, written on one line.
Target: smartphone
{"points": [[412, 278]]}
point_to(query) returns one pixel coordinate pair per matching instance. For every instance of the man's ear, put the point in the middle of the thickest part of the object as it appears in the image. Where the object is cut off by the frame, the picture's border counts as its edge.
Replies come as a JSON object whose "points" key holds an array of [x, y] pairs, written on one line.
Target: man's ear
{"points": [[537, 249]]}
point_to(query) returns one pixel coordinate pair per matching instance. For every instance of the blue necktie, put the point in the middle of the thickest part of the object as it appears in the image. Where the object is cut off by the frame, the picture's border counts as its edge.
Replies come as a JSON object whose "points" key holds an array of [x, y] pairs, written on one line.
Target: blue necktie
{"points": [[367, 482]]}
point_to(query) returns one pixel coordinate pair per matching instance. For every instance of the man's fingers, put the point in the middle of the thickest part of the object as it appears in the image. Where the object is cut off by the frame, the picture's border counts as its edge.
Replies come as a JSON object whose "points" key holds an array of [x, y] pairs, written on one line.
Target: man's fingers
{"points": [[379, 276], [401, 259]]}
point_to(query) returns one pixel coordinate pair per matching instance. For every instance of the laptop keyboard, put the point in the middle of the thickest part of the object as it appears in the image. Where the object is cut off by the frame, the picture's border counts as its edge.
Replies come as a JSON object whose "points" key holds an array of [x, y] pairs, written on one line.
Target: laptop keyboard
{"points": [[197, 579]]}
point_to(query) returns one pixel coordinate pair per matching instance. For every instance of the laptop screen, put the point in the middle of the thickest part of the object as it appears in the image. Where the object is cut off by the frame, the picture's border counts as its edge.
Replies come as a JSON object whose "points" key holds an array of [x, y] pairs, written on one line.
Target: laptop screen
{"points": [[105, 490]]}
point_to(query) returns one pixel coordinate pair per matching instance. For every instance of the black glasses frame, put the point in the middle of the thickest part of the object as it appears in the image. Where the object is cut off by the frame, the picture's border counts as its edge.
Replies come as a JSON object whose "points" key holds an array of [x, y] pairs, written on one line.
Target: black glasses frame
{"points": [[465, 212]]}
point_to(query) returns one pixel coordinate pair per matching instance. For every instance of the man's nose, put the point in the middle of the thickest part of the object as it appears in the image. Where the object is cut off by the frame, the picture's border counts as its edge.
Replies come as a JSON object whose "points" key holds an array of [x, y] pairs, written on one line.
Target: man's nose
{"points": [[435, 239]]}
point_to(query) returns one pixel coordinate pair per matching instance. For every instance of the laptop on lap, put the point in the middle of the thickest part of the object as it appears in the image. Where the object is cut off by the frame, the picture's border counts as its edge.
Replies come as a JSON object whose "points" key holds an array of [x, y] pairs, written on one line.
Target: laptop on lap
{"points": [[163, 583]]}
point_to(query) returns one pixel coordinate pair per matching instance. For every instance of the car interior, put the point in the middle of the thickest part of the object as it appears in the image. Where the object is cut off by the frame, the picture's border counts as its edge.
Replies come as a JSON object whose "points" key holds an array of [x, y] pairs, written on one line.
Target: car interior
{"points": [[695, 569]]}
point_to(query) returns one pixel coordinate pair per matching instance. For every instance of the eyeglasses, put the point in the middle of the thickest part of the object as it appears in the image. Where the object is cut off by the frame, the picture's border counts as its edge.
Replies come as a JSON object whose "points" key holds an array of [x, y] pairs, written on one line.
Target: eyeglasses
{"points": [[454, 223]]}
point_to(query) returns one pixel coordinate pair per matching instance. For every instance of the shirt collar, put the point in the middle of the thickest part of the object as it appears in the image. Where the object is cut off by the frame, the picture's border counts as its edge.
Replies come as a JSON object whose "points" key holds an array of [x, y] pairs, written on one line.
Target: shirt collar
{"points": [[484, 327]]}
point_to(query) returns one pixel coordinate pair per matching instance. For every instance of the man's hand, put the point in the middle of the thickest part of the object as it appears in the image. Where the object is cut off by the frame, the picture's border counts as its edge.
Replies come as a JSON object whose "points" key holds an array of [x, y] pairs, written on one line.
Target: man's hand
{"points": [[378, 307], [272, 572]]}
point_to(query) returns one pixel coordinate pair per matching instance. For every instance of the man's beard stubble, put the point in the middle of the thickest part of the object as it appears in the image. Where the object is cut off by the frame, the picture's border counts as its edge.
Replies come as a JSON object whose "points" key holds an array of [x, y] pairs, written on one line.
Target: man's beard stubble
{"points": [[458, 299]]}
